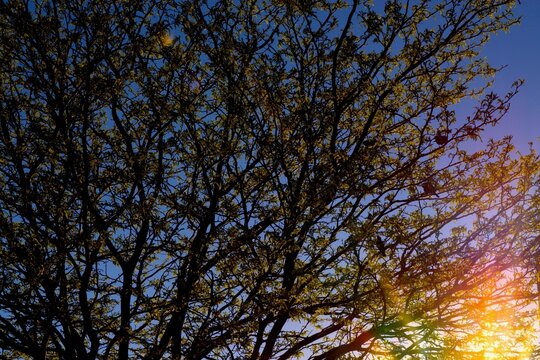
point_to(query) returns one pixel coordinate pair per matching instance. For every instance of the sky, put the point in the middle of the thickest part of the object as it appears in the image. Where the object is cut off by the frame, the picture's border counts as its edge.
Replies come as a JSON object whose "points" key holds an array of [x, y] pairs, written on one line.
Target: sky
{"points": [[519, 50]]}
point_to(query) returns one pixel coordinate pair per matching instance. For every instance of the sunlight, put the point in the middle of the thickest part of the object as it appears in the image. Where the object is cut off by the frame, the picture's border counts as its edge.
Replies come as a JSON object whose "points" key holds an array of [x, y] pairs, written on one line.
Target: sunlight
{"points": [[494, 342], [505, 329]]}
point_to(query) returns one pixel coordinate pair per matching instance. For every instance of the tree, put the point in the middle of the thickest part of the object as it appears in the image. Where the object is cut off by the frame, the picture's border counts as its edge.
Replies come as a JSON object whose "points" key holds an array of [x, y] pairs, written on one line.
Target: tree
{"points": [[253, 179]]}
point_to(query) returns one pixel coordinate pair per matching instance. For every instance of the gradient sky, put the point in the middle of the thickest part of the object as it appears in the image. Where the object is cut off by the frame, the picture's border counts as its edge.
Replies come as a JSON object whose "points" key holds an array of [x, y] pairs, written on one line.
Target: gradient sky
{"points": [[519, 50]]}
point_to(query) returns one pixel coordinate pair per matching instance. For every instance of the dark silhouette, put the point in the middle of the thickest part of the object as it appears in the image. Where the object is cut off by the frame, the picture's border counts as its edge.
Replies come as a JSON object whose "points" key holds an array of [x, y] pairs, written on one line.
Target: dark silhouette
{"points": [[205, 179]]}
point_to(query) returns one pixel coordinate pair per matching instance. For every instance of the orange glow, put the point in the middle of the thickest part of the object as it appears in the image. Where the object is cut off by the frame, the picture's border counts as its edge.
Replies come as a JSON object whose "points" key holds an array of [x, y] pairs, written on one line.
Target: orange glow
{"points": [[496, 342], [166, 39], [505, 329]]}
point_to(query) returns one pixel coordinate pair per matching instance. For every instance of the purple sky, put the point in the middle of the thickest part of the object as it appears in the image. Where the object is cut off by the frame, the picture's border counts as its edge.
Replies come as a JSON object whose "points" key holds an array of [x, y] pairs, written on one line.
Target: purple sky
{"points": [[519, 49]]}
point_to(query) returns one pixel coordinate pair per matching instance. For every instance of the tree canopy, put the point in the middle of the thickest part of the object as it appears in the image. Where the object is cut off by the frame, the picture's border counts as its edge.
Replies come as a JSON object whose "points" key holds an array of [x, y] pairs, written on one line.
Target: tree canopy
{"points": [[259, 179]]}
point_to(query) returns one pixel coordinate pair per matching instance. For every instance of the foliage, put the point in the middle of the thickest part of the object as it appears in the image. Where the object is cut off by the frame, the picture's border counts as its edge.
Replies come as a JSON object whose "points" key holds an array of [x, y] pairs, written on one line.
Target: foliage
{"points": [[254, 179]]}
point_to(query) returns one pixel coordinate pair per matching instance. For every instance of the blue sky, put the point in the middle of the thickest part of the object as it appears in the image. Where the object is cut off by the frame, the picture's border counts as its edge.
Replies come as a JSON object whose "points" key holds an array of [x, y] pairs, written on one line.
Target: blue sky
{"points": [[519, 50]]}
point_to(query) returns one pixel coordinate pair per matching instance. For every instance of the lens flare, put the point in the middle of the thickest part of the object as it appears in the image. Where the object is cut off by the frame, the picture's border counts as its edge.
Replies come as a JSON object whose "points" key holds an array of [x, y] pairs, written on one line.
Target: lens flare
{"points": [[166, 39]]}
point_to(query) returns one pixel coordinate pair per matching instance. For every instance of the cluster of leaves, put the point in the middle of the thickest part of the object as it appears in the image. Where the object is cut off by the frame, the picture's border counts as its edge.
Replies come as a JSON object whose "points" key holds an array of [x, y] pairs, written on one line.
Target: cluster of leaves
{"points": [[250, 179]]}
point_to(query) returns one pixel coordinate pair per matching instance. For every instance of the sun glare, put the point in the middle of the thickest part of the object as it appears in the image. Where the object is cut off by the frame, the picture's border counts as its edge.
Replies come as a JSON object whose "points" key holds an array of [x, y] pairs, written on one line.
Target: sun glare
{"points": [[505, 328], [494, 342]]}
